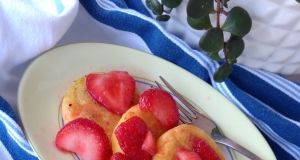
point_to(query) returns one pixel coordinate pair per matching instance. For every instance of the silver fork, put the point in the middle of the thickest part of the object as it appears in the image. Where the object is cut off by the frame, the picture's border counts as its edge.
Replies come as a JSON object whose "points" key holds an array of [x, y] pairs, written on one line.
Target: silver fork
{"points": [[205, 123]]}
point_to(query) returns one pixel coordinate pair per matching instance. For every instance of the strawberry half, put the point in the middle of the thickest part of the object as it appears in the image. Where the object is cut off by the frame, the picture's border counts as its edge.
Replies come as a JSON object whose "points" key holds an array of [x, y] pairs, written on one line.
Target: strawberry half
{"points": [[131, 135], [85, 138], [118, 156], [149, 144], [162, 105], [114, 90], [183, 154], [204, 150]]}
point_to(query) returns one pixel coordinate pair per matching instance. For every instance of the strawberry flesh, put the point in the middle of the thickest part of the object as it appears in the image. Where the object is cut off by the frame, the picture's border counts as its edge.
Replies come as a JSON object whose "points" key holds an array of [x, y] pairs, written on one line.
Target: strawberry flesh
{"points": [[118, 156], [149, 144], [130, 135], [204, 150], [162, 105], [183, 154], [114, 90], [85, 138]]}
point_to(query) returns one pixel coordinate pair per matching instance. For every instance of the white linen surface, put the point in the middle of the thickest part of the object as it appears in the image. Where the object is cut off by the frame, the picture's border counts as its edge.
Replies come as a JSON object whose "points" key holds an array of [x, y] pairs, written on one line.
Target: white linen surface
{"points": [[28, 28], [23, 39]]}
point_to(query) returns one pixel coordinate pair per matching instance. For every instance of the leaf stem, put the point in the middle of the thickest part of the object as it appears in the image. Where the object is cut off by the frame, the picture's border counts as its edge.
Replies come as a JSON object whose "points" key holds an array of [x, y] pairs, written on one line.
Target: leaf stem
{"points": [[218, 13], [225, 52], [224, 12]]}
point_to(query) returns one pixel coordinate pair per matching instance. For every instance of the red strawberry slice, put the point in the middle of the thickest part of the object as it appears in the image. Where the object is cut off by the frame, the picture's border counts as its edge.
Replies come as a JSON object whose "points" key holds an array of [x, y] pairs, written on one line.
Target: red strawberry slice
{"points": [[204, 150], [131, 135], [118, 156], [149, 144], [84, 137], [162, 105], [183, 154], [114, 90]]}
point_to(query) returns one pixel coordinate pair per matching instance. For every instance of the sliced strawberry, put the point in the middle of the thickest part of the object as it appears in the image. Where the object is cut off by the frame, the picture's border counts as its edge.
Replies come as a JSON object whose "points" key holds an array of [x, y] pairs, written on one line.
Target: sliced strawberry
{"points": [[204, 150], [114, 90], [130, 135], [149, 144], [118, 156], [183, 154], [84, 137], [162, 105]]}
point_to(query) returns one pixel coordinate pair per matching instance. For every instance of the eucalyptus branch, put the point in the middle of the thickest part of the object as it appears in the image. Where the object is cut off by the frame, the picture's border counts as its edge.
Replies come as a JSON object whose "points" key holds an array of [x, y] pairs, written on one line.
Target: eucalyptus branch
{"points": [[225, 53], [238, 23], [218, 13]]}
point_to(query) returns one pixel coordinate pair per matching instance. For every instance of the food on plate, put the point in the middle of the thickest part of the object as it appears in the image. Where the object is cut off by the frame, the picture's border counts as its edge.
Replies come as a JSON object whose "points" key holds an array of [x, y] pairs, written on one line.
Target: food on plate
{"points": [[118, 156], [78, 103], [84, 137], [131, 136], [149, 144], [162, 105], [113, 90], [106, 118], [185, 139], [183, 154], [153, 124], [157, 108]]}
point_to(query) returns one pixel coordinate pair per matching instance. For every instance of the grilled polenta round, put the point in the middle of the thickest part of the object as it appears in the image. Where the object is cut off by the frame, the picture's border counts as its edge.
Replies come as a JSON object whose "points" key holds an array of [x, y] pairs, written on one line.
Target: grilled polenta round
{"points": [[180, 137], [77, 103]]}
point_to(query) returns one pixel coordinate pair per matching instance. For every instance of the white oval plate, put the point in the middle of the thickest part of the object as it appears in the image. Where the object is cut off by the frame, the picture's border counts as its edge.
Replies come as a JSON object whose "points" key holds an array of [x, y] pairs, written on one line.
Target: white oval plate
{"points": [[46, 80]]}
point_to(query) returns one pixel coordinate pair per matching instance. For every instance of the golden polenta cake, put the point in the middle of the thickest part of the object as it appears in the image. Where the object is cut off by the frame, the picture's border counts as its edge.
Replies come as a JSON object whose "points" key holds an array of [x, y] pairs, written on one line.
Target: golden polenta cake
{"points": [[180, 137], [77, 103]]}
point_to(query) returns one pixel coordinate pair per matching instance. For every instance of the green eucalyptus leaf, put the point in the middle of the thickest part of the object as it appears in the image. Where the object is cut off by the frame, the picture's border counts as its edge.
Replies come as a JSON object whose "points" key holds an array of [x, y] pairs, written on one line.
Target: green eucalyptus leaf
{"points": [[238, 22], [171, 3], [201, 23], [225, 3], [215, 56], [155, 6], [222, 73], [234, 47], [298, 1], [198, 8], [163, 17], [212, 40]]}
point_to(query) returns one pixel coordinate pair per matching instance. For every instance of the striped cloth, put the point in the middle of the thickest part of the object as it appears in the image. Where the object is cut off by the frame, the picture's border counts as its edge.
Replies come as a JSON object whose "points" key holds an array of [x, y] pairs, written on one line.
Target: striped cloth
{"points": [[14, 144], [270, 101]]}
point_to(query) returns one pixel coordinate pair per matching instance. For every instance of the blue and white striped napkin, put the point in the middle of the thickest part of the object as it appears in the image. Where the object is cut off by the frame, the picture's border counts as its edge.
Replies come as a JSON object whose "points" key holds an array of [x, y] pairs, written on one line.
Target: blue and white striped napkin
{"points": [[13, 144], [270, 101]]}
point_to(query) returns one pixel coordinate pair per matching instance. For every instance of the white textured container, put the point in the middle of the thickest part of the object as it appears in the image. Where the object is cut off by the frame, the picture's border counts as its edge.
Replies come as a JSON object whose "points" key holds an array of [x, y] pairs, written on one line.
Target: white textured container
{"points": [[273, 44]]}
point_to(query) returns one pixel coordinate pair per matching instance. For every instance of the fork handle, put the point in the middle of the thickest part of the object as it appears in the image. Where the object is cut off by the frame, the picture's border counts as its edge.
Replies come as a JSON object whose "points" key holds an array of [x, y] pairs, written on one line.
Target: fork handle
{"points": [[222, 139]]}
